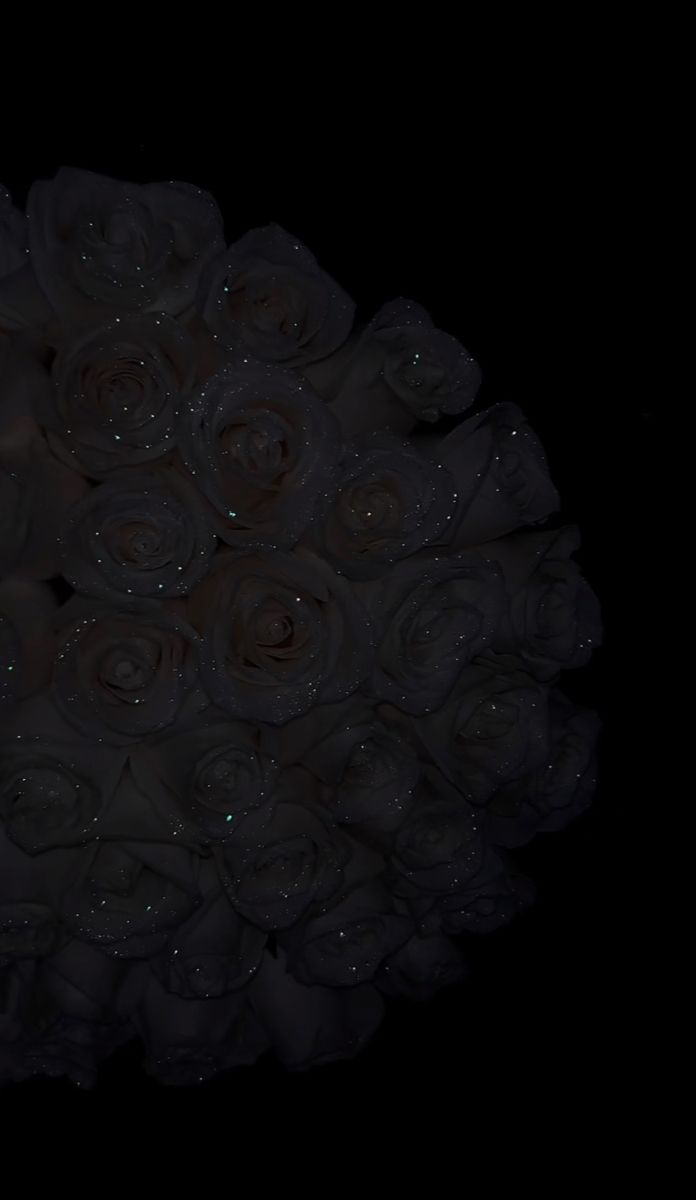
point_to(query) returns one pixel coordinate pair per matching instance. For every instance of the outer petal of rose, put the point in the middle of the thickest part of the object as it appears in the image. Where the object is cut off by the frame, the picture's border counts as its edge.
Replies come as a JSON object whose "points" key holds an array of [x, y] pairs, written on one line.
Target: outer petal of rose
{"points": [[18, 983], [22, 303], [33, 878], [520, 554], [57, 489], [29, 608], [312, 1025], [303, 734], [192, 1040], [131, 816], [83, 981], [327, 375], [365, 404], [24, 388]]}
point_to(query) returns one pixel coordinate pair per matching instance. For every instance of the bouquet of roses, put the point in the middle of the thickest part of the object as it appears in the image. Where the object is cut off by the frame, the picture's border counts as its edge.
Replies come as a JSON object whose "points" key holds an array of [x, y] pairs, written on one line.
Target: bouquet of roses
{"points": [[278, 661]]}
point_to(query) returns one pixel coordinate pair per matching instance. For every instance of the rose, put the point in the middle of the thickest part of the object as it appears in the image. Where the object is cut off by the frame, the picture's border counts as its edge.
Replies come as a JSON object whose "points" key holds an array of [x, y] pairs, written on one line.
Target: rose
{"points": [[346, 945], [422, 967], [553, 621], [293, 864], [281, 632], [268, 295], [100, 245], [26, 638], [433, 615], [53, 793], [127, 897], [140, 533], [308, 1026], [261, 447], [212, 954], [115, 392], [559, 790], [206, 779], [368, 772], [402, 371], [27, 930], [391, 501], [122, 674], [13, 235], [440, 846], [501, 474], [491, 730]]}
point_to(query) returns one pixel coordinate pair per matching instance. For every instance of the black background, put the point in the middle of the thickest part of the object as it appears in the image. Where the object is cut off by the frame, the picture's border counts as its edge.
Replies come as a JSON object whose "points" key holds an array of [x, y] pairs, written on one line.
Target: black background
{"points": [[512, 236]]}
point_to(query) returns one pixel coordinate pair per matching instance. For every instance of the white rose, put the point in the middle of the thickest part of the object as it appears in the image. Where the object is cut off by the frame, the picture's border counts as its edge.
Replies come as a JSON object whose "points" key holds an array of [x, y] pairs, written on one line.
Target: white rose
{"points": [[268, 295], [294, 864], [402, 371], [500, 472], [368, 772], [553, 619], [388, 502], [53, 793], [203, 781], [212, 953], [262, 448], [280, 633], [144, 534], [100, 245], [115, 393], [492, 729], [128, 897], [433, 614], [121, 674]]}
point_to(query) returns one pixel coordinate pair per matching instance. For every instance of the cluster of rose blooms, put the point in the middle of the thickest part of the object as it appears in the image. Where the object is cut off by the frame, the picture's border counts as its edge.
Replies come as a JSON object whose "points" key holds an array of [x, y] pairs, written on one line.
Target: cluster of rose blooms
{"points": [[266, 748]]}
